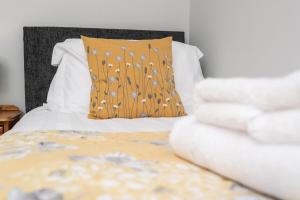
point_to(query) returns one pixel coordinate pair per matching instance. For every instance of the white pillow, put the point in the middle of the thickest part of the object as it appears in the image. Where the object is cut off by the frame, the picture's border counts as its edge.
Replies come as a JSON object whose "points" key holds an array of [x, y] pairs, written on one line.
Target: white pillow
{"points": [[70, 88], [187, 71]]}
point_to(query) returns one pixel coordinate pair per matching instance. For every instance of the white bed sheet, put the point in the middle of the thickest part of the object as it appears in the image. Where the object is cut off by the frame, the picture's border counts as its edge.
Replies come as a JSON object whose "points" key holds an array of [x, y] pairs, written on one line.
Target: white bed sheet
{"points": [[42, 119]]}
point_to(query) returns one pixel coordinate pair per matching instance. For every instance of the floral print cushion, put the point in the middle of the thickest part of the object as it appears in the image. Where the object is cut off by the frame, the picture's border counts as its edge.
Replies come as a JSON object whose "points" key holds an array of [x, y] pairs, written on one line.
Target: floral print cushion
{"points": [[59, 165], [132, 79]]}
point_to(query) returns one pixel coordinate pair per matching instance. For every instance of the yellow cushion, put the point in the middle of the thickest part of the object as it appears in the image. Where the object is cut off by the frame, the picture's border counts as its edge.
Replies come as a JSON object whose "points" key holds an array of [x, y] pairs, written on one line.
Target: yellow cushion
{"points": [[132, 79]]}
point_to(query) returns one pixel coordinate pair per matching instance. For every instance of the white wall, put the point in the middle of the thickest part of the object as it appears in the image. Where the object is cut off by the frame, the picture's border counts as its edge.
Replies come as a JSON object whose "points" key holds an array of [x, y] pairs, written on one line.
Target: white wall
{"points": [[247, 37], [132, 14]]}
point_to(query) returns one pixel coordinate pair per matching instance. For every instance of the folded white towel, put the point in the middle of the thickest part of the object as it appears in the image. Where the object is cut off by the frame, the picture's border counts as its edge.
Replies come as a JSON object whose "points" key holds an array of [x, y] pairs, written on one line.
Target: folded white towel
{"points": [[271, 169], [226, 115], [276, 127], [263, 93]]}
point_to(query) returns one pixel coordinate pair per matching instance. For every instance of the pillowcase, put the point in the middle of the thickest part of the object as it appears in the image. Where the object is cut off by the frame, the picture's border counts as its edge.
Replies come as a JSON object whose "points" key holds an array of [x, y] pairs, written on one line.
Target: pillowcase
{"points": [[70, 88], [132, 78], [187, 71], [185, 64]]}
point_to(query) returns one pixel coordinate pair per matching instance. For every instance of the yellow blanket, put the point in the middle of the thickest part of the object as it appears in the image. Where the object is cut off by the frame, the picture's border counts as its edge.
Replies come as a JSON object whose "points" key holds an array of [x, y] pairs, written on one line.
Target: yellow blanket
{"points": [[59, 165]]}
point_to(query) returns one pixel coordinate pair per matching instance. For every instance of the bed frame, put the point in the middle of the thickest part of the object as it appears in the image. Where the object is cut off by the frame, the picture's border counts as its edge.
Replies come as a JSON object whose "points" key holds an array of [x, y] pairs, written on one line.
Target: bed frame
{"points": [[38, 46]]}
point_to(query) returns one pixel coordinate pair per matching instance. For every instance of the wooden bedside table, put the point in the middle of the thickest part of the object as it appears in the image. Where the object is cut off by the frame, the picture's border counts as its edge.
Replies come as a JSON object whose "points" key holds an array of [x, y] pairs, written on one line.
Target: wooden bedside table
{"points": [[9, 116]]}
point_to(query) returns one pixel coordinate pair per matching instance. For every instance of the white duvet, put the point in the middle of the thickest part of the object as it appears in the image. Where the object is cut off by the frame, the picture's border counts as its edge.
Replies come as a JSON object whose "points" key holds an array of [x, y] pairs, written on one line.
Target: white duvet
{"points": [[272, 169], [42, 119]]}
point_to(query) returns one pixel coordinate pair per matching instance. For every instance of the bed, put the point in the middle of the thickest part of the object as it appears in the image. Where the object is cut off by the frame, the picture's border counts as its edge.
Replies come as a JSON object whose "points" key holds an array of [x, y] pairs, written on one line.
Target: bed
{"points": [[52, 155]]}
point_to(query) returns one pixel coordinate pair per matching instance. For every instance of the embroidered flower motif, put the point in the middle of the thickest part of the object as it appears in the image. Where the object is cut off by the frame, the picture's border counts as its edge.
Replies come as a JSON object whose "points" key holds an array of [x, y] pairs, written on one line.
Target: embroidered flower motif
{"points": [[177, 104], [117, 70], [131, 53], [154, 83], [144, 101], [115, 107], [103, 102], [128, 64], [94, 77], [94, 52], [107, 53], [149, 77], [123, 48], [154, 72], [100, 108], [110, 65], [168, 99], [143, 57], [156, 50], [112, 79], [173, 93], [134, 95], [165, 105], [151, 64], [113, 93], [119, 58], [137, 65]]}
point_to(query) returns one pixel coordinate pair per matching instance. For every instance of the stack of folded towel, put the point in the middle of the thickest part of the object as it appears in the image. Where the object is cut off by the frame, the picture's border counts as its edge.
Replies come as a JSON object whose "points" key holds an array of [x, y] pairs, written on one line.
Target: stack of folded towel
{"points": [[247, 130], [266, 109]]}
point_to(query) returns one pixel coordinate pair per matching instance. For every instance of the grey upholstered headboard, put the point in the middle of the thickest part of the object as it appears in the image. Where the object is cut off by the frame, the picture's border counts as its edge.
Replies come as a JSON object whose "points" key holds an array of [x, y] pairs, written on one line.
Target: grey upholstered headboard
{"points": [[38, 46]]}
